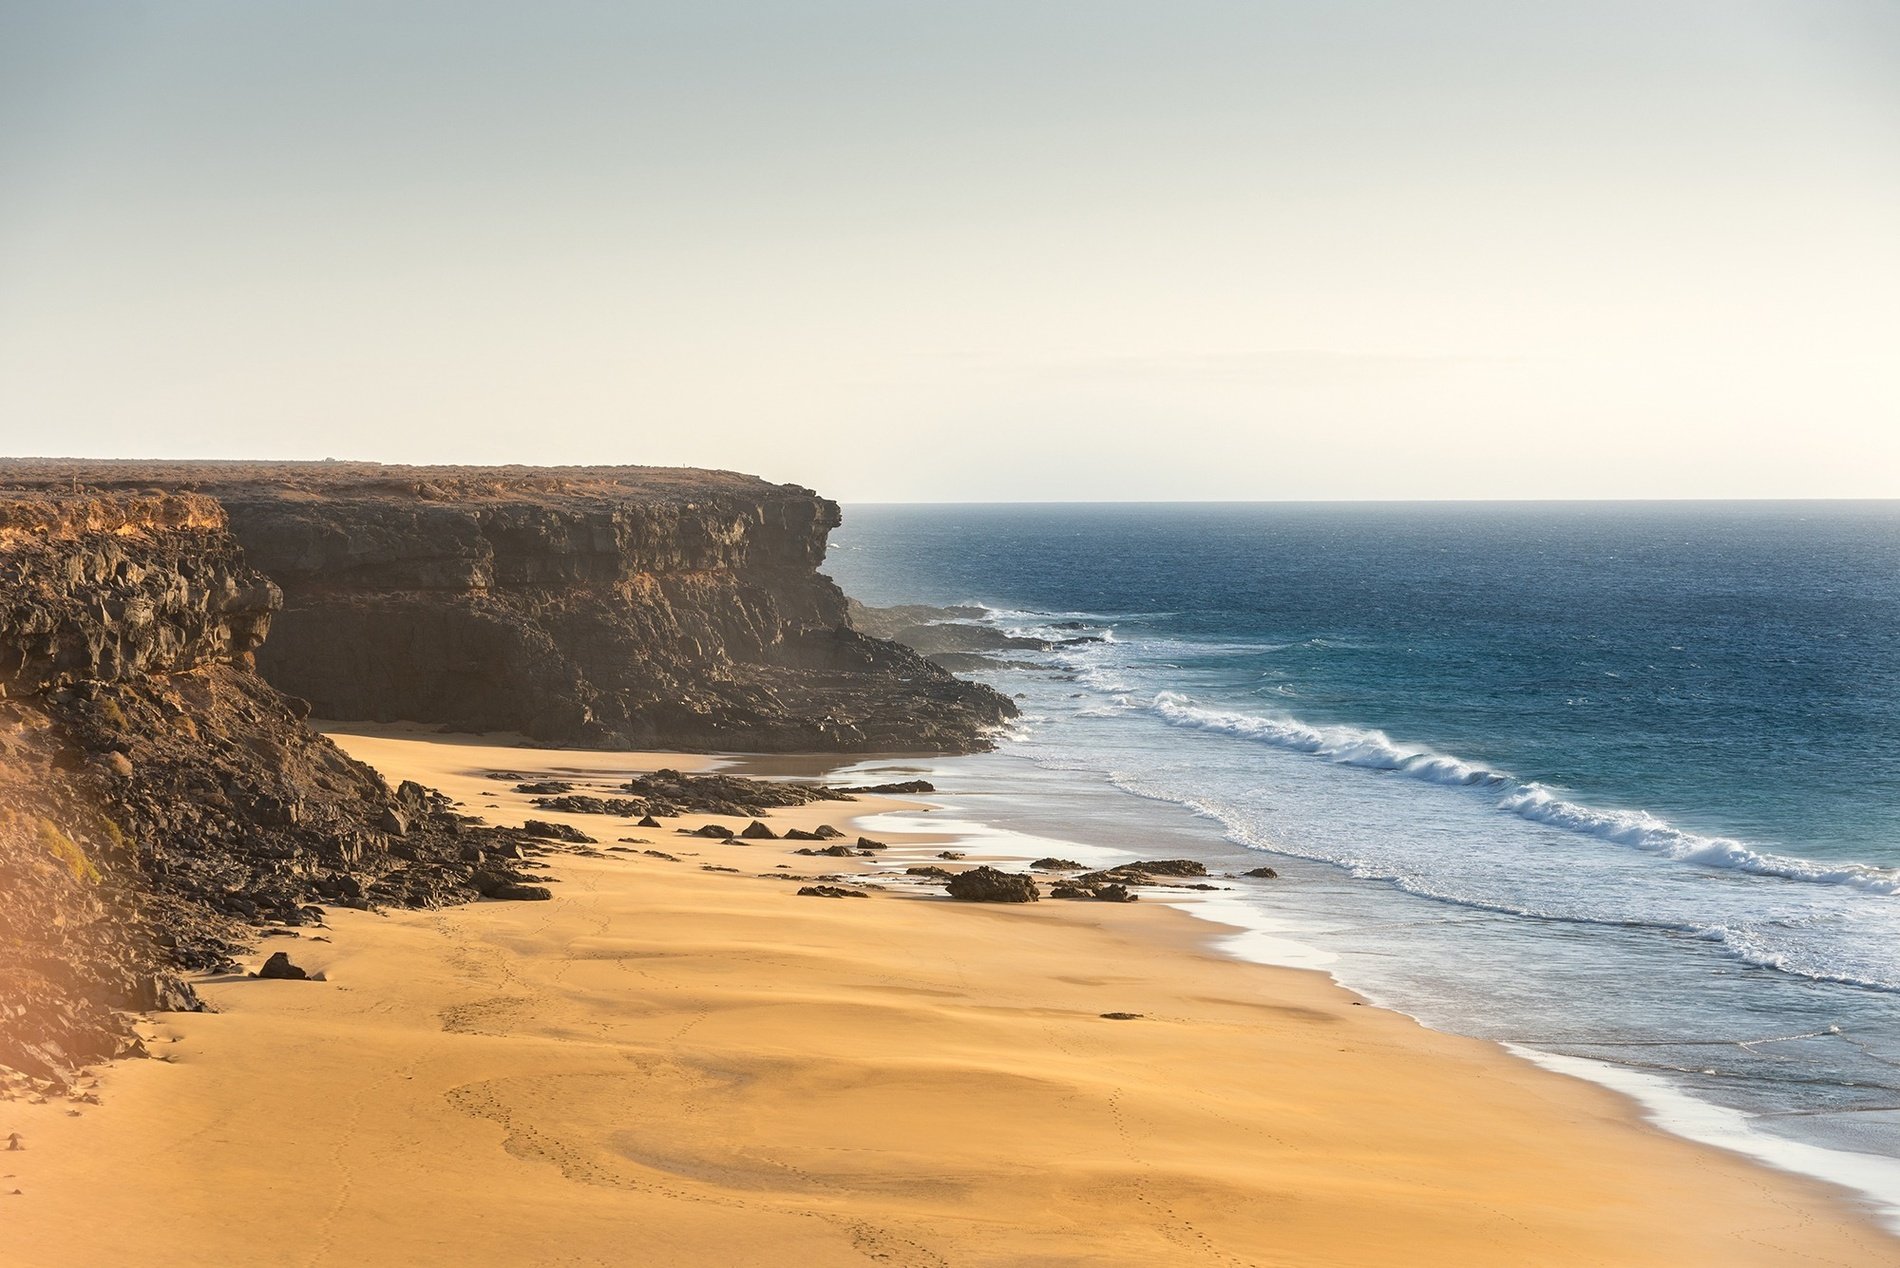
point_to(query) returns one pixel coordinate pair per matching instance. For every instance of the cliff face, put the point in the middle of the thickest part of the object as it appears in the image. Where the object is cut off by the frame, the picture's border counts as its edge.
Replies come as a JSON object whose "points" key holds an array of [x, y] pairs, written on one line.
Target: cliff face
{"points": [[607, 606], [155, 793], [109, 588]]}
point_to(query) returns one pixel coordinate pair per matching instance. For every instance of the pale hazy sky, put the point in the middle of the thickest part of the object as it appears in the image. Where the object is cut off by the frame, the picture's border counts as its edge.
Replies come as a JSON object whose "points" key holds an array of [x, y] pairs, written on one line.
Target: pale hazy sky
{"points": [[968, 250]]}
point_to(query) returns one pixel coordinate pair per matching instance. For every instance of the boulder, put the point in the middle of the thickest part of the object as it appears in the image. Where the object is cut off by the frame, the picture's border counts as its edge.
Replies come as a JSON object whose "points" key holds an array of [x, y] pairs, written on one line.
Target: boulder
{"points": [[556, 832], [1056, 865], [756, 831], [988, 885], [279, 966]]}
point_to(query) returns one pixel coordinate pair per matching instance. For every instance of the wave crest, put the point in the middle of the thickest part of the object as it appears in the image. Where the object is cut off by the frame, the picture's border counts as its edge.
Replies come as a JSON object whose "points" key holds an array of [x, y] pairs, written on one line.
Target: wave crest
{"points": [[1637, 829]]}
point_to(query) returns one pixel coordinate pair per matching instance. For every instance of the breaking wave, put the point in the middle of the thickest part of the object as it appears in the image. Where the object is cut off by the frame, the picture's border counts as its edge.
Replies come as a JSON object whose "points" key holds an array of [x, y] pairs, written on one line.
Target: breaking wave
{"points": [[1636, 829]]}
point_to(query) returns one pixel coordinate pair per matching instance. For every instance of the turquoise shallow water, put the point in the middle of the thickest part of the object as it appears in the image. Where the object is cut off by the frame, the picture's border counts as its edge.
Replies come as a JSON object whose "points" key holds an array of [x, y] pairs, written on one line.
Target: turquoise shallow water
{"points": [[1615, 782]]}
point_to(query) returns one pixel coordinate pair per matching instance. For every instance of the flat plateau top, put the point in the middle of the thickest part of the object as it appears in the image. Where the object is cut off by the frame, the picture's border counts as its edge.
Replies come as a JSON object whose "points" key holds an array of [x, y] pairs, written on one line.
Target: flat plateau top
{"points": [[353, 481]]}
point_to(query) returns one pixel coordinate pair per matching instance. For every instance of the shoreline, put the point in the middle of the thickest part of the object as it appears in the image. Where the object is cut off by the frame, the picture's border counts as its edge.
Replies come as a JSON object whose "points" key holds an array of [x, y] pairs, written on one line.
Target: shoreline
{"points": [[1480, 1167], [1244, 933]]}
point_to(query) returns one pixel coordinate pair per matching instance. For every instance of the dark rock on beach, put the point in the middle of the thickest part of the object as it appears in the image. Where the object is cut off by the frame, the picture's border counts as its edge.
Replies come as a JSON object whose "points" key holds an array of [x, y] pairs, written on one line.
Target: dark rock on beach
{"points": [[1110, 893], [988, 885], [583, 804], [279, 966], [556, 832], [831, 891]]}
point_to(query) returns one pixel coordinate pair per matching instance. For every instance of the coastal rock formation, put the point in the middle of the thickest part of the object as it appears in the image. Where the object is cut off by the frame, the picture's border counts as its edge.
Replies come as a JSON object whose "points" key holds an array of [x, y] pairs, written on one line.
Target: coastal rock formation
{"points": [[158, 798], [612, 606], [988, 885], [959, 638]]}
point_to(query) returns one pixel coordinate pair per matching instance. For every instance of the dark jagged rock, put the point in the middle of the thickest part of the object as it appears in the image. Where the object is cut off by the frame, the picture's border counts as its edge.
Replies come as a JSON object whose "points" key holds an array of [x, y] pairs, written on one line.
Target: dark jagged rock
{"points": [[556, 832], [830, 891], [951, 855], [988, 885], [1262, 873], [668, 792], [1145, 873], [825, 832], [892, 790], [660, 854], [1111, 893], [515, 892], [756, 831], [714, 831], [1121, 1016], [648, 821], [158, 800], [280, 967], [1056, 865], [614, 606], [833, 851], [545, 786], [799, 834], [866, 843], [931, 870], [582, 804]]}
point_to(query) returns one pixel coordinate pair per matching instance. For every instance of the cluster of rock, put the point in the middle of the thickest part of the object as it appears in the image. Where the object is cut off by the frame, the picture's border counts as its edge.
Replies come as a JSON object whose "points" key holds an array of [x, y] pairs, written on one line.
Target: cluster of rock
{"points": [[959, 638], [611, 606], [1112, 885], [158, 799], [668, 792]]}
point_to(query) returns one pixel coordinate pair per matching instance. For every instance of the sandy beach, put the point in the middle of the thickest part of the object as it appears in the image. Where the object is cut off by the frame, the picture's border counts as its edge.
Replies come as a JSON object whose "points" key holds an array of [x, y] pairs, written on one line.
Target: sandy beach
{"points": [[667, 1064]]}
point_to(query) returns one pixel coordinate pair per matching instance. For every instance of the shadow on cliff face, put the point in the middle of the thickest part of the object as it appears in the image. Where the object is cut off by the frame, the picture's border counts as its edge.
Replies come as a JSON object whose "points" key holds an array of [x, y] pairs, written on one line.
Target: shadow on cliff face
{"points": [[157, 798], [611, 607]]}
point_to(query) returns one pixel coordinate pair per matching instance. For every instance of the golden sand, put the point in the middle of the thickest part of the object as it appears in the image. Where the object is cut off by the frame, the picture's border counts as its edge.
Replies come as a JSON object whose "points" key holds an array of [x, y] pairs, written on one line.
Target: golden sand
{"points": [[672, 1066]]}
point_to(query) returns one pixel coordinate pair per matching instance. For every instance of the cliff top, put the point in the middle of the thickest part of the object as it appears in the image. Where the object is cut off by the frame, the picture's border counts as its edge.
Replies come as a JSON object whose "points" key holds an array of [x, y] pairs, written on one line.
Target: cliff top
{"points": [[372, 481], [55, 513]]}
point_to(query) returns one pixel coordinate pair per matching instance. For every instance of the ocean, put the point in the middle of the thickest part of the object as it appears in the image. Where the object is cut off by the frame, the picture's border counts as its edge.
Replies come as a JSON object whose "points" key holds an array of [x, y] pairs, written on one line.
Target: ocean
{"points": [[1615, 784]]}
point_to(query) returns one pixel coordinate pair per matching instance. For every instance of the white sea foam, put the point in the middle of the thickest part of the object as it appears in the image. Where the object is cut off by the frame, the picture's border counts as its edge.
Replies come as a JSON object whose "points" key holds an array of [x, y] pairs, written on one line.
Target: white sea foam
{"points": [[1674, 1110], [1348, 746], [1638, 829], [1644, 831]]}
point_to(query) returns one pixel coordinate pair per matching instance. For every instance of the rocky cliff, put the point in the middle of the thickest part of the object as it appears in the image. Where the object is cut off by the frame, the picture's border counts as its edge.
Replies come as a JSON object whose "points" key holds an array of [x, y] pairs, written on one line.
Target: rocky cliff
{"points": [[619, 606], [157, 797]]}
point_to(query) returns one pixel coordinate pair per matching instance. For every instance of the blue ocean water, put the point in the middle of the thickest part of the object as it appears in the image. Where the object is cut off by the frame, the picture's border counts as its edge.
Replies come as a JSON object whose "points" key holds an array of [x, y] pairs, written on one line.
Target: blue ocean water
{"points": [[1618, 782]]}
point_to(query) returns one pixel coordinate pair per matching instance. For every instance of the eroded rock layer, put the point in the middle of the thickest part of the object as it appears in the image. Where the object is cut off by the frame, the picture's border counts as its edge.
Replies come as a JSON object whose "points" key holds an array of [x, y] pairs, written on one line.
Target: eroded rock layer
{"points": [[157, 797], [620, 606]]}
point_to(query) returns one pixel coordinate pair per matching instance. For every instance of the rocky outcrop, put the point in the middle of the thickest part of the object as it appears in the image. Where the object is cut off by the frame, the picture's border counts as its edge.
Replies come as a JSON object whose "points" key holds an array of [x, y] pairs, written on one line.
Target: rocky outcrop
{"points": [[158, 799], [989, 885], [962, 639], [618, 606]]}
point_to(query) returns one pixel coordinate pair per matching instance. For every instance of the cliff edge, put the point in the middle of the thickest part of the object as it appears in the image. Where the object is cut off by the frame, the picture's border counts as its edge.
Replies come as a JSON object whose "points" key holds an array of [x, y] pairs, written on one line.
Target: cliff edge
{"points": [[158, 798], [608, 606]]}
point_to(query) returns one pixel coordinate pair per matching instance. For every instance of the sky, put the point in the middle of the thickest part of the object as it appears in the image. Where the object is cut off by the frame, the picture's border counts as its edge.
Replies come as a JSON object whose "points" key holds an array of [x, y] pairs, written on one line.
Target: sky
{"points": [[968, 251]]}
